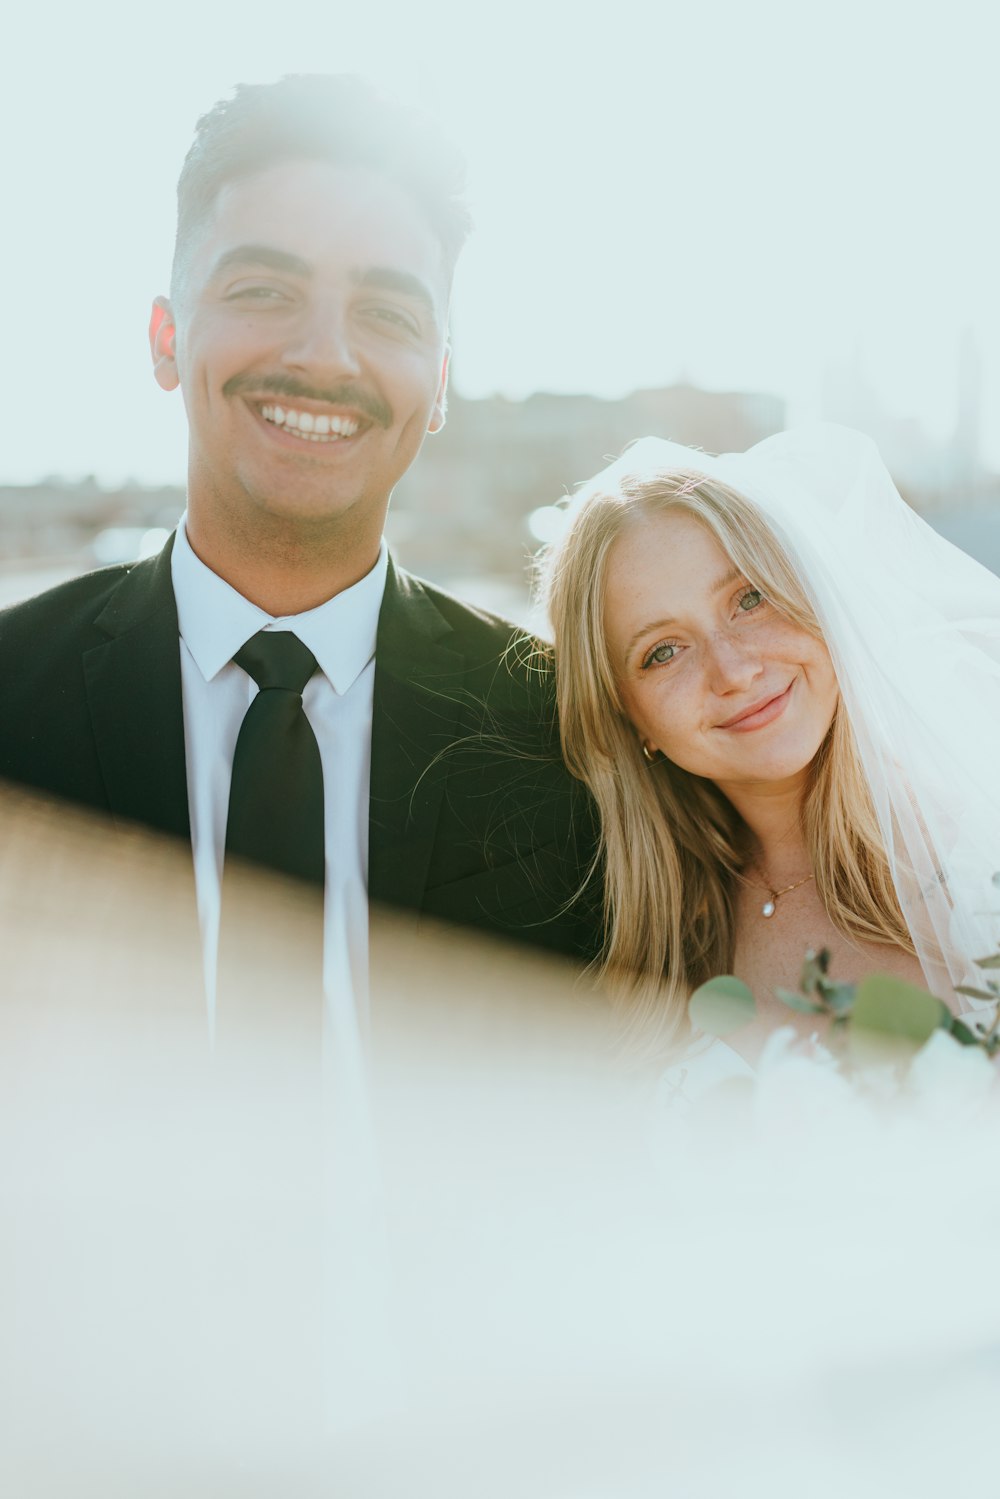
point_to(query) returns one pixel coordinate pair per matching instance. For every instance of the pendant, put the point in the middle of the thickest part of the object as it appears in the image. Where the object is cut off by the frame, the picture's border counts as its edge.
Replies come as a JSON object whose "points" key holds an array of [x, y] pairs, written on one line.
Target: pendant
{"points": [[768, 908]]}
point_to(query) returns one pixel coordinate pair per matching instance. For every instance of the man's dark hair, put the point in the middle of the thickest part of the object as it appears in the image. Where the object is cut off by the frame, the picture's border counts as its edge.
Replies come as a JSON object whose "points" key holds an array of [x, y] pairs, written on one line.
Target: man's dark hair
{"points": [[338, 118]]}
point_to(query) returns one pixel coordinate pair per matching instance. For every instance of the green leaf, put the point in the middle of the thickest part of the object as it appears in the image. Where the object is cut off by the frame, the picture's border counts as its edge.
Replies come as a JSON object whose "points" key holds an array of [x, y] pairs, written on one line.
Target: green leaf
{"points": [[962, 1034], [974, 993], [993, 961], [890, 1007], [796, 1001], [840, 997], [814, 969], [722, 1006]]}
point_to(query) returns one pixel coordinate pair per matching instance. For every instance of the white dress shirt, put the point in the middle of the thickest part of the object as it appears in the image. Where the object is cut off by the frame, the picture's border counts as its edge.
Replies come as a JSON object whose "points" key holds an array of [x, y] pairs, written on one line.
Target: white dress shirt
{"points": [[215, 622]]}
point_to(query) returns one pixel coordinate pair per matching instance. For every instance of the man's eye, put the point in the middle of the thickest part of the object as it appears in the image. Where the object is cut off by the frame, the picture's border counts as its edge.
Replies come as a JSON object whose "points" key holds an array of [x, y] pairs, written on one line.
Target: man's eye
{"points": [[750, 599], [660, 655], [257, 294], [393, 317]]}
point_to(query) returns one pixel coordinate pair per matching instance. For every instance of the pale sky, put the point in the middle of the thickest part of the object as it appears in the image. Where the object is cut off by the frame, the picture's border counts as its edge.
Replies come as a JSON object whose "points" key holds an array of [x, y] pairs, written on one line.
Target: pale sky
{"points": [[730, 193]]}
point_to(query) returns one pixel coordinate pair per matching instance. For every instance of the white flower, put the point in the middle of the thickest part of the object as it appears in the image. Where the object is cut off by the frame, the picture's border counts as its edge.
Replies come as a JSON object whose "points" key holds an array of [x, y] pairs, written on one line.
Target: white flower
{"points": [[800, 1087], [949, 1081]]}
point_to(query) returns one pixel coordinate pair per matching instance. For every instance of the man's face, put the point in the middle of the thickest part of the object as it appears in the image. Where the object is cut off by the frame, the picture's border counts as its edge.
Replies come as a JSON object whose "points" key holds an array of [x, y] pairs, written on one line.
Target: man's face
{"points": [[309, 345]]}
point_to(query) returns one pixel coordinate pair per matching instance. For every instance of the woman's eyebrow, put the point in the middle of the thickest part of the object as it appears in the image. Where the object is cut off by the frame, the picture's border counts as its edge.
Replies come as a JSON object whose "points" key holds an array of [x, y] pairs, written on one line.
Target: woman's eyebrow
{"points": [[730, 577]]}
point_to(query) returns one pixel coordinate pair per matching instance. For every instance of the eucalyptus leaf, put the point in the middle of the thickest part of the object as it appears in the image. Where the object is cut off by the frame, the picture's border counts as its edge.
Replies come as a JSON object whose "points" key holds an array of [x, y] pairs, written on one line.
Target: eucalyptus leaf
{"points": [[814, 969], [993, 961], [963, 1035], [840, 997], [972, 993], [890, 1007], [800, 1002], [722, 1005]]}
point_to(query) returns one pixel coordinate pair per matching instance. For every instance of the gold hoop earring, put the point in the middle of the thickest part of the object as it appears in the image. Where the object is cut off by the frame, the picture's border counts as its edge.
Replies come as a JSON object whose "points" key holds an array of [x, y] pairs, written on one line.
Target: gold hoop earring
{"points": [[650, 756]]}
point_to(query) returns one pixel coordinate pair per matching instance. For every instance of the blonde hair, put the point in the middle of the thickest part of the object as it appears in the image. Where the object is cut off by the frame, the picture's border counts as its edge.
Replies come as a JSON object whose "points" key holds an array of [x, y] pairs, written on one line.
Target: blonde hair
{"points": [[671, 843]]}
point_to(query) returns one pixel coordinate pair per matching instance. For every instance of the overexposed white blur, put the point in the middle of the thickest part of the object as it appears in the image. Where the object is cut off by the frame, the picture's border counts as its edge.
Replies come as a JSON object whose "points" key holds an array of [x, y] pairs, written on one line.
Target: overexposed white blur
{"points": [[488, 1263], [483, 1264], [773, 197]]}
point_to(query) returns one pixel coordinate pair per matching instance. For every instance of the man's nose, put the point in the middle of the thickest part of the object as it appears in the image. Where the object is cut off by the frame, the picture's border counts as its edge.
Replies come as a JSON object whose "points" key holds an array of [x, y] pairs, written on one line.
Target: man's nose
{"points": [[733, 664], [323, 343]]}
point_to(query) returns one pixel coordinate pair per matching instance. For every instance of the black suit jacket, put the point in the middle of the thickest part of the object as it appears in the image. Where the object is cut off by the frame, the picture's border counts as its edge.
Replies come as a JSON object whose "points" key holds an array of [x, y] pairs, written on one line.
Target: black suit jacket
{"points": [[473, 818]]}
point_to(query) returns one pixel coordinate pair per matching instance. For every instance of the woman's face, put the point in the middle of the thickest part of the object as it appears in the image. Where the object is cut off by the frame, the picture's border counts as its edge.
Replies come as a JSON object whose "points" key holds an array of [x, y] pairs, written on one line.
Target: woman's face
{"points": [[711, 674]]}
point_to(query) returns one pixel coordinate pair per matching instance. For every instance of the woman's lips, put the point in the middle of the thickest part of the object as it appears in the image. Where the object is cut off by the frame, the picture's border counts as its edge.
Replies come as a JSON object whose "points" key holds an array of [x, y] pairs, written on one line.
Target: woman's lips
{"points": [[756, 717]]}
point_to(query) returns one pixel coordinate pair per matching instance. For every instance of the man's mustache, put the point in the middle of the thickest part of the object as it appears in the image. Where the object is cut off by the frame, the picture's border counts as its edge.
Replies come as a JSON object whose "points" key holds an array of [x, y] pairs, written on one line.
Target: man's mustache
{"points": [[335, 395]]}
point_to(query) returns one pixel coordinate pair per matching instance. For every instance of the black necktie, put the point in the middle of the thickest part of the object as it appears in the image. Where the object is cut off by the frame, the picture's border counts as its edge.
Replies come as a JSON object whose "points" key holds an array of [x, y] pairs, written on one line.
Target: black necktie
{"points": [[276, 799]]}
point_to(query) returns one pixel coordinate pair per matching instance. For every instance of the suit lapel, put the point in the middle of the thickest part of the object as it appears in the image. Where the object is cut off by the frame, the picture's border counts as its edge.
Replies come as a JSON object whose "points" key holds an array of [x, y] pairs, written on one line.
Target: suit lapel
{"points": [[417, 710], [133, 683]]}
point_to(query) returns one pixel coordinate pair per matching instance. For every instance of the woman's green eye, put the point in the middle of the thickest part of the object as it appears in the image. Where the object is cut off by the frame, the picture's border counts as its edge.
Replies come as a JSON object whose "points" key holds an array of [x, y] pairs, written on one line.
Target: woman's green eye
{"points": [[660, 655], [751, 599]]}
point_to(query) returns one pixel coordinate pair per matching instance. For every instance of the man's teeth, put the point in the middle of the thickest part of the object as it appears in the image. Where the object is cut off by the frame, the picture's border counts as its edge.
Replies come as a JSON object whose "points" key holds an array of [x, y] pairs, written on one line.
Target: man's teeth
{"points": [[304, 424]]}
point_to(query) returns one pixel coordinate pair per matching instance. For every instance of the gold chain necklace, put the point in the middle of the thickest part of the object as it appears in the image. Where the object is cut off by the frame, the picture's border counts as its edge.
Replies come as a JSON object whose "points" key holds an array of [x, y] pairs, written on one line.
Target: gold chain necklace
{"points": [[773, 896]]}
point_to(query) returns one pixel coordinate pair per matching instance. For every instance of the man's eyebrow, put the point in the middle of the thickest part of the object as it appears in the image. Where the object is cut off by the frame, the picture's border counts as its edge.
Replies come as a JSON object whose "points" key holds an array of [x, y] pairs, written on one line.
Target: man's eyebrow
{"points": [[663, 624], [276, 260]]}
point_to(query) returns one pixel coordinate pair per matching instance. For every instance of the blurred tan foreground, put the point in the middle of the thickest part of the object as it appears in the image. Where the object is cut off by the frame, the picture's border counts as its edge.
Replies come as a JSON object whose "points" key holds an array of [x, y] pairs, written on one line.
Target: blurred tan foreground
{"points": [[452, 1252]]}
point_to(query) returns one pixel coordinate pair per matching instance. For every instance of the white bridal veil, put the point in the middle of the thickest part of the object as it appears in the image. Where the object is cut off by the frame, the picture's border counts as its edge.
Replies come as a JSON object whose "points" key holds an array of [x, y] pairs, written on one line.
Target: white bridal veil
{"points": [[913, 626]]}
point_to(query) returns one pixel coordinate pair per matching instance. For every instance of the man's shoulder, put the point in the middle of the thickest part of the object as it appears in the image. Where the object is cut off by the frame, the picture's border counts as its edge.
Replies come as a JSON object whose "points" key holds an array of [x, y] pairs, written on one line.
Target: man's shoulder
{"points": [[66, 616], [516, 833], [78, 599], [484, 679], [484, 638]]}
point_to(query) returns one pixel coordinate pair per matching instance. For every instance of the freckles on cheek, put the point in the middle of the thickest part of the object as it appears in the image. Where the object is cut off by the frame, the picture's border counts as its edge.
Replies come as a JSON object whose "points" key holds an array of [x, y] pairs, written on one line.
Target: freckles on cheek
{"points": [[649, 713], [684, 728]]}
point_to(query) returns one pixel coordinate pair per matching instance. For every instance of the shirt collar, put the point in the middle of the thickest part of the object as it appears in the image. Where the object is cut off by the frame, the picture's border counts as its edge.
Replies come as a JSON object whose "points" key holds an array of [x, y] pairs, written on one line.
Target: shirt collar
{"points": [[215, 621]]}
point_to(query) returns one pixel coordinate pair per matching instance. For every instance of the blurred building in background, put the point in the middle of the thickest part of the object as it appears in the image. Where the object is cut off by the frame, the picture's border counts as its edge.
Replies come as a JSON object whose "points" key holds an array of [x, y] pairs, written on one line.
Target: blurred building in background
{"points": [[459, 517], [464, 508], [55, 520], [933, 474]]}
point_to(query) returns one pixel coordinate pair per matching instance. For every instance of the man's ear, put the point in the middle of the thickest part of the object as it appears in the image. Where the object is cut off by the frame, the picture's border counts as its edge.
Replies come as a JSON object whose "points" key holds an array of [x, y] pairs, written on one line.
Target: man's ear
{"points": [[162, 339], [440, 407]]}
